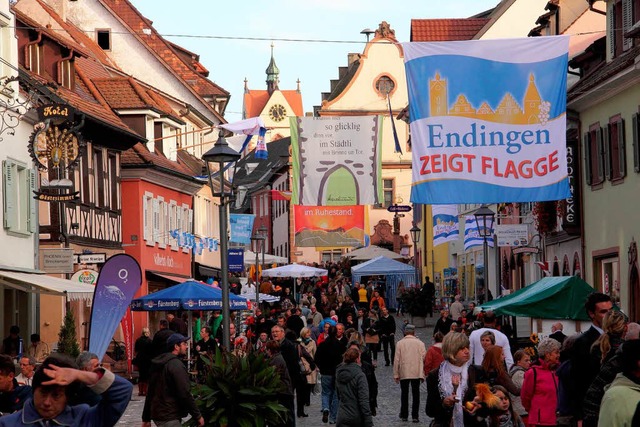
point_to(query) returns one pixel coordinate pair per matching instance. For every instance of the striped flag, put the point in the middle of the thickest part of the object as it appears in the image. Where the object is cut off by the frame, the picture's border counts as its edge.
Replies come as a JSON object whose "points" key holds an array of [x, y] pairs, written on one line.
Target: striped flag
{"points": [[445, 224], [471, 235]]}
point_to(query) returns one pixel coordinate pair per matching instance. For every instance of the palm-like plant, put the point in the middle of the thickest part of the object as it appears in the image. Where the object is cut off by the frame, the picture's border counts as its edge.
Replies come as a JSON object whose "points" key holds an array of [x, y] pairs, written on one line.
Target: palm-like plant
{"points": [[239, 391]]}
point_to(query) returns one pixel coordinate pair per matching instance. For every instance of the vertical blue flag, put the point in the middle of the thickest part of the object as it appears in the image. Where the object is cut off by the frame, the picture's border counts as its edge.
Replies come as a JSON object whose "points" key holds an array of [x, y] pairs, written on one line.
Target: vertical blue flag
{"points": [[261, 146]]}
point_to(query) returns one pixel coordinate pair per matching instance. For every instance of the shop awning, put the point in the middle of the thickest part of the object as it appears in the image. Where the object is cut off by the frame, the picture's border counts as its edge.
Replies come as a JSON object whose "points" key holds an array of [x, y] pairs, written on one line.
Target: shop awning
{"points": [[170, 277], [43, 284]]}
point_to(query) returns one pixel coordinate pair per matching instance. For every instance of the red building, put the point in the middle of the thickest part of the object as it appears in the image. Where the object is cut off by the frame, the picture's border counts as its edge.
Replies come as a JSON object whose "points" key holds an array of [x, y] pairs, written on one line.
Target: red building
{"points": [[157, 203]]}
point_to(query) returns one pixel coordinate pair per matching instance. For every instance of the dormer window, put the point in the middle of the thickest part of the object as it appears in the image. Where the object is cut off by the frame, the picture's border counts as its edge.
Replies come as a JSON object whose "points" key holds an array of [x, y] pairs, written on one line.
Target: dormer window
{"points": [[66, 73], [34, 58], [103, 38]]}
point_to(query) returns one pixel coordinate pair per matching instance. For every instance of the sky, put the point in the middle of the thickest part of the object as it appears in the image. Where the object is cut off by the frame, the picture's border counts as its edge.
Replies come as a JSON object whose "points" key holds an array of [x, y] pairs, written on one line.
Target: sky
{"points": [[329, 29]]}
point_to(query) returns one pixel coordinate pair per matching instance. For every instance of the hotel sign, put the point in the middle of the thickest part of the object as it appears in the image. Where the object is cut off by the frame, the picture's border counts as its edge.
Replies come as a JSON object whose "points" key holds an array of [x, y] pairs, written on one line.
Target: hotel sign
{"points": [[57, 260]]}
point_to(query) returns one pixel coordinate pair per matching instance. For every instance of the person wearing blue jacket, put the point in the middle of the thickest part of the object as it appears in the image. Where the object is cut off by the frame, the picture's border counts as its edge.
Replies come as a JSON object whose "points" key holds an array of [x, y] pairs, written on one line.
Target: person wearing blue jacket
{"points": [[53, 383]]}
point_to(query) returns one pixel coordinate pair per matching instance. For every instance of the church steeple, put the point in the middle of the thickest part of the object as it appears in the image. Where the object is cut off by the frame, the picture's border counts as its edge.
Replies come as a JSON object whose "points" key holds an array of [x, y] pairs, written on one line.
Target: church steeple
{"points": [[272, 74]]}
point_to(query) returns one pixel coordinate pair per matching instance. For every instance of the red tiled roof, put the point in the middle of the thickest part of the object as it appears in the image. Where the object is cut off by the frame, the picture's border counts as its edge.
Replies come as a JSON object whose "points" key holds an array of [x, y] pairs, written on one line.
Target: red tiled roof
{"points": [[163, 49], [120, 93], [432, 30], [255, 100], [139, 155], [79, 36]]}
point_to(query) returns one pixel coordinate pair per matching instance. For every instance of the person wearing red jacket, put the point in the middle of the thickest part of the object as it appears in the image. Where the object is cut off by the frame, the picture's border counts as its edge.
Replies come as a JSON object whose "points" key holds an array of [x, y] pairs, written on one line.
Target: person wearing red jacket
{"points": [[539, 392]]}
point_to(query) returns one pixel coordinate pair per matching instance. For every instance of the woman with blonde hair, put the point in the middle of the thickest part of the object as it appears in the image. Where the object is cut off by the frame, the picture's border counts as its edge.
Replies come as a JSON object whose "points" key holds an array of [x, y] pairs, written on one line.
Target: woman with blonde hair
{"points": [[614, 326], [143, 349], [450, 387]]}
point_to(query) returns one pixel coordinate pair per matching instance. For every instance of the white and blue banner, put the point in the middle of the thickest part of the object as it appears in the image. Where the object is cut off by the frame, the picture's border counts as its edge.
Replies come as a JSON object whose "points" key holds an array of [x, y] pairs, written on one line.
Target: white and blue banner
{"points": [[445, 223], [471, 235], [241, 227], [488, 120]]}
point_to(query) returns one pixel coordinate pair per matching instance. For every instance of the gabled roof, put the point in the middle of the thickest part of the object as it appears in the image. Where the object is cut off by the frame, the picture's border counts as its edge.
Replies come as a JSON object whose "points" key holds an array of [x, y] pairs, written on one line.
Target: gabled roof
{"points": [[139, 156], [255, 101], [125, 93], [432, 30], [191, 74]]}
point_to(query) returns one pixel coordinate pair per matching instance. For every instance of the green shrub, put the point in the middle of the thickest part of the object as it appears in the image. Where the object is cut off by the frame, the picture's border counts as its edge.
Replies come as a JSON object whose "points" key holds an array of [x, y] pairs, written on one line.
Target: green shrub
{"points": [[239, 391], [416, 302]]}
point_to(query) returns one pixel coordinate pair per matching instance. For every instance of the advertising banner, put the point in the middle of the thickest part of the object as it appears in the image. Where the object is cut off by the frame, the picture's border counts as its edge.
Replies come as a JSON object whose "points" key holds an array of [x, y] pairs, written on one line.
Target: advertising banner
{"points": [[445, 224], [512, 234], [336, 160], [322, 227], [236, 260], [241, 227], [119, 280], [488, 120]]}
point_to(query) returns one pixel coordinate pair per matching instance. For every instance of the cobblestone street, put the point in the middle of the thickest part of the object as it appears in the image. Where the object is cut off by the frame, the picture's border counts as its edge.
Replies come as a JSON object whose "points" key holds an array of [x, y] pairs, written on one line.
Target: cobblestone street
{"points": [[388, 394]]}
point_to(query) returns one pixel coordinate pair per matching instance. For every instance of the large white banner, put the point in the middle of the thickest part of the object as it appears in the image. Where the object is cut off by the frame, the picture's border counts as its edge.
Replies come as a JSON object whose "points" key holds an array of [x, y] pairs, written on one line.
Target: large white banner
{"points": [[488, 120], [336, 160]]}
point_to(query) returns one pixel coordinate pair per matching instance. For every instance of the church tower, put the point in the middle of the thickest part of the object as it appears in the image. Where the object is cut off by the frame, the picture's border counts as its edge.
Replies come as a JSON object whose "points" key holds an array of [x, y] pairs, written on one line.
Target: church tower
{"points": [[531, 102], [438, 96], [272, 74]]}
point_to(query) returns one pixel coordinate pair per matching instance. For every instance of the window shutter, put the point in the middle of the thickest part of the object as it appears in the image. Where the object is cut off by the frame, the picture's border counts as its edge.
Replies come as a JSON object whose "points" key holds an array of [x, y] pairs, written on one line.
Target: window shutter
{"points": [[9, 194], [627, 23], [156, 220], [611, 33], [166, 230], [145, 218], [32, 221], [603, 155], [622, 155], [587, 159], [190, 225], [172, 224], [636, 148]]}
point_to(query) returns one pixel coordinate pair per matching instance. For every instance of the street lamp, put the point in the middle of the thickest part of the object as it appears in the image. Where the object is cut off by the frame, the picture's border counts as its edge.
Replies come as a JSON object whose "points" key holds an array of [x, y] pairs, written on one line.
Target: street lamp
{"points": [[257, 238], [484, 221], [221, 153], [415, 237]]}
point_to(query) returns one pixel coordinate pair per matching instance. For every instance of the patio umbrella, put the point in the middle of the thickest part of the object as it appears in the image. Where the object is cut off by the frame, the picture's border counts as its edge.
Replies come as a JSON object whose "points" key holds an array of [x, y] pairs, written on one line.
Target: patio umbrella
{"points": [[371, 252], [295, 270], [189, 295]]}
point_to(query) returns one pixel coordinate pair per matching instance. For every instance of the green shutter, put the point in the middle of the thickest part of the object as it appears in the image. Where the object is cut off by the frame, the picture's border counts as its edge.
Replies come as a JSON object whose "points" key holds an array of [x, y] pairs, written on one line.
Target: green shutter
{"points": [[636, 147], [587, 159], [9, 194], [32, 203], [622, 155]]}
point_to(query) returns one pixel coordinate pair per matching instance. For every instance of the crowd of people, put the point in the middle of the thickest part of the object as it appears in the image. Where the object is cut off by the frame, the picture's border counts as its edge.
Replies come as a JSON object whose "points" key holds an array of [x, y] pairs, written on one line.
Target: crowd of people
{"points": [[327, 341]]}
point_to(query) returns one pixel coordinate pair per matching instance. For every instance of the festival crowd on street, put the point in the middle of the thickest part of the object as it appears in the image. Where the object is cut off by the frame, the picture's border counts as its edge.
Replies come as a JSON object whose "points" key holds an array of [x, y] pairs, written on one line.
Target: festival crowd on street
{"points": [[344, 358]]}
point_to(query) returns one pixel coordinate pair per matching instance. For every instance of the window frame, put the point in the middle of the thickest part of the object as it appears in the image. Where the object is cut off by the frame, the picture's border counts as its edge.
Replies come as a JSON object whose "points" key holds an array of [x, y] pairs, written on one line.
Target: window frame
{"points": [[616, 158], [19, 205]]}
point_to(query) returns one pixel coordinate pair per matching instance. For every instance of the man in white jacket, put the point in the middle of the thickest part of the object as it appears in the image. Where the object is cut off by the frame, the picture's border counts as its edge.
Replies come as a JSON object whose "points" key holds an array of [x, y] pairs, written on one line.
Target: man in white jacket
{"points": [[408, 369]]}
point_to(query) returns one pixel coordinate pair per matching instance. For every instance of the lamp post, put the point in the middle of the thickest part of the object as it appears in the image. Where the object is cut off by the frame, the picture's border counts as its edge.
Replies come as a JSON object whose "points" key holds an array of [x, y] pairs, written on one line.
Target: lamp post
{"points": [[258, 238], [484, 220], [221, 153], [415, 237]]}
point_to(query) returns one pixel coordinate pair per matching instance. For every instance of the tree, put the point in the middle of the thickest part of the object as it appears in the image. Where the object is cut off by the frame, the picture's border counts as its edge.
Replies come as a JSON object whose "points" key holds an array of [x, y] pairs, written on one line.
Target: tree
{"points": [[67, 341]]}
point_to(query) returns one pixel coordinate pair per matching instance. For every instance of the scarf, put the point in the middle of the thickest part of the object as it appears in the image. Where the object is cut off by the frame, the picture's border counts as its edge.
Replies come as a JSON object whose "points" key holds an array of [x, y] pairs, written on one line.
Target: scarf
{"points": [[447, 370]]}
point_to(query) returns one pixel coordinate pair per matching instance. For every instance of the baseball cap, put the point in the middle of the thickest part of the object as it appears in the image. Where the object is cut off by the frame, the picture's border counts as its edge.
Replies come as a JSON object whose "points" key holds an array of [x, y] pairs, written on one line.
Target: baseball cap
{"points": [[176, 339]]}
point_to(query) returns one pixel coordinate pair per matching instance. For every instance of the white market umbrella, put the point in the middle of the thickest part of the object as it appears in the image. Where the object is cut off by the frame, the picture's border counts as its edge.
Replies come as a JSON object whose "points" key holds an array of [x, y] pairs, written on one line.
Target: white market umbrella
{"points": [[371, 252], [250, 258], [295, 270]]}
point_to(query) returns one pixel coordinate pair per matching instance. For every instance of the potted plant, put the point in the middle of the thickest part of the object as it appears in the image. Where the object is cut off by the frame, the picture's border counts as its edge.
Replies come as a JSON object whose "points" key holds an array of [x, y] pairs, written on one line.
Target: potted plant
{"points": [[416, 302], [239, 391]]}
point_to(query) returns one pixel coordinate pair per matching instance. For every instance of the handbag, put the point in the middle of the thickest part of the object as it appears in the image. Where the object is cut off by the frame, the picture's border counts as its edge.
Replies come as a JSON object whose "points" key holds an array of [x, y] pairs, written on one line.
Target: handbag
{"points": [[305, 368]]}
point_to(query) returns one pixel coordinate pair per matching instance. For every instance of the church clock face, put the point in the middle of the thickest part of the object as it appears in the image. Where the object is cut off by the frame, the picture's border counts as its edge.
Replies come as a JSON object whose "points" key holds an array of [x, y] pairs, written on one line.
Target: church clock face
{"points": [[277, 112]]}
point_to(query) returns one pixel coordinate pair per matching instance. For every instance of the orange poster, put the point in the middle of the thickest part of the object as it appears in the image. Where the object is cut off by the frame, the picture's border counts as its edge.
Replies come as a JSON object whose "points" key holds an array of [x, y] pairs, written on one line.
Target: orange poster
{"points": [[329, 226]]}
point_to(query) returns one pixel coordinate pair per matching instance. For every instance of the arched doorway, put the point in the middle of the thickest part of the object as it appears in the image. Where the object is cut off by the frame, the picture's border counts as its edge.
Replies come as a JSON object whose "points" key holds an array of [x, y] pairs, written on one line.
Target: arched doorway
{"points": [[556, 267], [566, 270], [577, 270]]}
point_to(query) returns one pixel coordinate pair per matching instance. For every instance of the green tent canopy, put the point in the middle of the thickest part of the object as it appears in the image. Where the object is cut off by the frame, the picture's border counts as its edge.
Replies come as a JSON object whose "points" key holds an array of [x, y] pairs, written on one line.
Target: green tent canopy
{"points": [[550, 298]]}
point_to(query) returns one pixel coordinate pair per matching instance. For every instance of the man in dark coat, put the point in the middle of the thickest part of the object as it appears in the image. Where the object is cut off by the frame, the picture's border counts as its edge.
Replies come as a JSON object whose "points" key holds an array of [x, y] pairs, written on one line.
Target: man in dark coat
{"points": [[12, 395], [328, 357], [429, 289], [556, 332], [387, 335], [169, 396], [596, 306]]}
